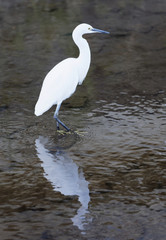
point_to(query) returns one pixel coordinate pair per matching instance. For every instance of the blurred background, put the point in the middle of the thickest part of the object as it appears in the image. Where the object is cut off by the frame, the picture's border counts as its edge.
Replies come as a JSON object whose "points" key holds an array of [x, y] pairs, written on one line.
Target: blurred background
{"points": [[106, 179]]}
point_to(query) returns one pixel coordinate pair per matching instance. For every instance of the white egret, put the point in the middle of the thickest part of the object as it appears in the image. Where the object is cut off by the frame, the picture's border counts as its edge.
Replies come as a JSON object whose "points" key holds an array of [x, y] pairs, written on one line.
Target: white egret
{"points": [[61, 82]]}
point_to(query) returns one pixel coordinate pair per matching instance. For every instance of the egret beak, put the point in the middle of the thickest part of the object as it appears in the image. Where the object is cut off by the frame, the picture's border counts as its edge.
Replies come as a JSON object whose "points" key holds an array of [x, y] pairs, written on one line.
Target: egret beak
{"points": [[99, 31]]}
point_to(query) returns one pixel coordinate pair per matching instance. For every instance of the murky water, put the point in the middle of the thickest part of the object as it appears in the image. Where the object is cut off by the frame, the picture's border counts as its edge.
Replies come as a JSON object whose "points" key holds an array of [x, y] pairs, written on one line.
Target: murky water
{"points": [[105, 180]]}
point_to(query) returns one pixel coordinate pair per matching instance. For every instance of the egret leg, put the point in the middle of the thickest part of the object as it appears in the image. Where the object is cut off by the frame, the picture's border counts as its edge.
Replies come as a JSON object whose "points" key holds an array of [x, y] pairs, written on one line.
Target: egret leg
{"points": [[58, 120]]}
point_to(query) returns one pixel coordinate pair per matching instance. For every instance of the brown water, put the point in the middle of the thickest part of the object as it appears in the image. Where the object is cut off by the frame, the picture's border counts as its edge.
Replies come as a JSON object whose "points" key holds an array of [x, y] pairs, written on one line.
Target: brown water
{"points": [[106, 179]]}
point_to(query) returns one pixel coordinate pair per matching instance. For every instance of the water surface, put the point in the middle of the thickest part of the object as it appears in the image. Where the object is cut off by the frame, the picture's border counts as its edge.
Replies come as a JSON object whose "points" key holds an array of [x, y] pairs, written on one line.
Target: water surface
{"points": [[105, 179]]}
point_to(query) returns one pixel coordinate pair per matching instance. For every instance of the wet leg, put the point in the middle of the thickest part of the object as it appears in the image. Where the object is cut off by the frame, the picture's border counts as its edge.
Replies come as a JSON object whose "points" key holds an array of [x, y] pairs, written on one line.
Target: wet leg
{"points": [[58, 120]]}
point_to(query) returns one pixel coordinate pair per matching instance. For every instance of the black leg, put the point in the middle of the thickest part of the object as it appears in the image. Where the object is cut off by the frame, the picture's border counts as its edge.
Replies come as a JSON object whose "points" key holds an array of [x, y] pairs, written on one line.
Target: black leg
{"points": [[57, 119], [57, 125], [61, 123]]}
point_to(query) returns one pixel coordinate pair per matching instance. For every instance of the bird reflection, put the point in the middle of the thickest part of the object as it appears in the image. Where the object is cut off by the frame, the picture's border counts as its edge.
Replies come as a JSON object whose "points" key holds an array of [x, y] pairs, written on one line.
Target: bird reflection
{"points": [[65, 177]]}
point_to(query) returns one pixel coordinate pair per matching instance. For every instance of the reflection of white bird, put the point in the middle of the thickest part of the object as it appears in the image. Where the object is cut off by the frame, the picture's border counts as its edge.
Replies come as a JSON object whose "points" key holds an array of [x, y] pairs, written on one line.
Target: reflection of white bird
{"points": [[65, 178], [61, 82]]}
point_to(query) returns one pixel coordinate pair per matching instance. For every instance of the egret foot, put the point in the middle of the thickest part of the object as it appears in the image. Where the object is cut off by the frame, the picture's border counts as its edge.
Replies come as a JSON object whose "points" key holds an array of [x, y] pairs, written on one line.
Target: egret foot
{"points": [[79, 133], [64, 132]]}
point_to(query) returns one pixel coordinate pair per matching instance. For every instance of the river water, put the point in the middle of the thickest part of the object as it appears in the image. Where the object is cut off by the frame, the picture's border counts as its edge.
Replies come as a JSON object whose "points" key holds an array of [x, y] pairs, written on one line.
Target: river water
{"points": [[105, 179]]}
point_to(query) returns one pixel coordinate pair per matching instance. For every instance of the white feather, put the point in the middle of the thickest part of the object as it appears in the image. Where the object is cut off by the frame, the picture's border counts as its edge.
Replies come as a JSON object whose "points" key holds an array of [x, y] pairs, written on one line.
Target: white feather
{"points": [[61, 82]]}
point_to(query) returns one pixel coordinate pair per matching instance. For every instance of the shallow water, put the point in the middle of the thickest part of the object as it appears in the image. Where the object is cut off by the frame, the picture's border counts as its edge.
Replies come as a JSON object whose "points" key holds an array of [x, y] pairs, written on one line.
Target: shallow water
{"points": [[105, 179]]}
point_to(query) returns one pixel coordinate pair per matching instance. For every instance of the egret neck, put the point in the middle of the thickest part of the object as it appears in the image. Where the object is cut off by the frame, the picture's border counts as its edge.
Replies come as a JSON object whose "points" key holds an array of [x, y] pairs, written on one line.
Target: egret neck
{"points": [[61, 81], [84, 57]]}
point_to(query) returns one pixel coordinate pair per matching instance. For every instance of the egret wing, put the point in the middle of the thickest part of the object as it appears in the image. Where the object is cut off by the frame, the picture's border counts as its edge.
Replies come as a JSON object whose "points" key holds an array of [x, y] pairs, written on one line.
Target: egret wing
{"points": [[58, 85]]}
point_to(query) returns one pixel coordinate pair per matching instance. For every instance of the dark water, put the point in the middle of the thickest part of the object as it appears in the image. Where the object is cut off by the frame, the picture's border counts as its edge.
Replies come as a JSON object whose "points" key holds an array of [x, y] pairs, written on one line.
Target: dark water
{"points": [[105, 180]]}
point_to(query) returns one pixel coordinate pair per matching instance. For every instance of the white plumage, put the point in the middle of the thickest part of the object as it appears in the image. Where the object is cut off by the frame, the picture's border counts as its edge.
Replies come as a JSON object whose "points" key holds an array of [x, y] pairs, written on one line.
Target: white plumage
{"points": [[61, 82], [56, 87]]}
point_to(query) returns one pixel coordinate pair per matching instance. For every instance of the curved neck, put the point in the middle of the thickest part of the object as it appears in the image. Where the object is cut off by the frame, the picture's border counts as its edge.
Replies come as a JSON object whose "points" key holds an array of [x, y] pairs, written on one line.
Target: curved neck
{"points": [[82, 44], [84, 57]]}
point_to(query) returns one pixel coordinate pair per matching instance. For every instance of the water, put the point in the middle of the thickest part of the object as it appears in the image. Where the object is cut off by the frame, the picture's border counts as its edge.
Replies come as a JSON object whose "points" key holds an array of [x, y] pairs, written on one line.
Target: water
{"points": [[105, 179]]}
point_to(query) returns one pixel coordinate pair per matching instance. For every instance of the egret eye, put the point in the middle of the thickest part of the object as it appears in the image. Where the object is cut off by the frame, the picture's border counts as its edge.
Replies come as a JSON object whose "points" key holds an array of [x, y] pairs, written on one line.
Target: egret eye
{"points": [[53, 92]]}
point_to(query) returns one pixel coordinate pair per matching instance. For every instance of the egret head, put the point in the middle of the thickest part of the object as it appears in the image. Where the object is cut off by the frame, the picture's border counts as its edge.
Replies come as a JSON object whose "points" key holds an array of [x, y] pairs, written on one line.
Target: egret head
{"points": [[84, 28]]}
